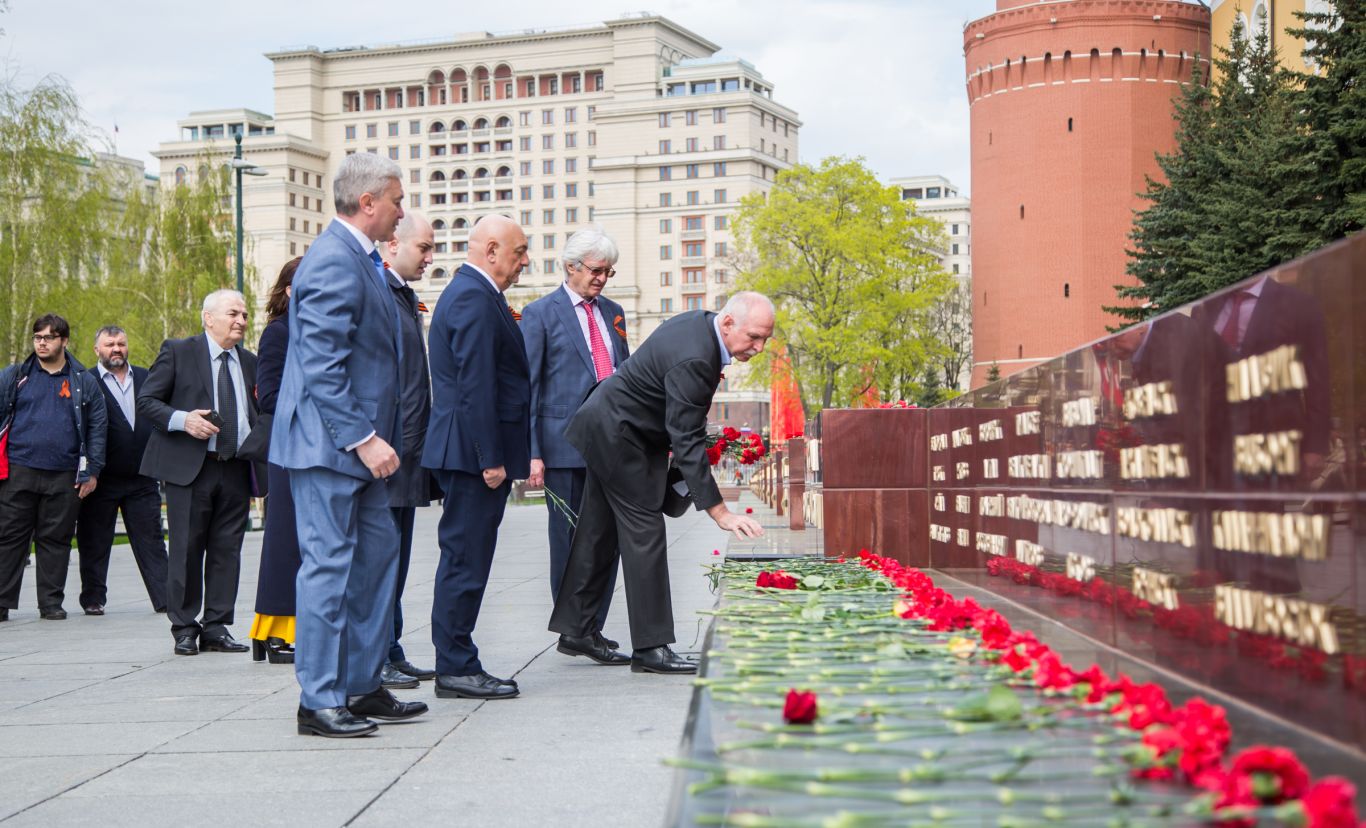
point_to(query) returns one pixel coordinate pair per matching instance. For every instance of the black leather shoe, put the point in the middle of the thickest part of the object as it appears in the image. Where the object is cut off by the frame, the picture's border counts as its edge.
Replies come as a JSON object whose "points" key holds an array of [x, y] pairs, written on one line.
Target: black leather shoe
{"points": [[94, 609], [381, 704], [4, 613], [277, 649], [223, 643], [591, 647], [509, 682], [660, 660], [411, 669], [52, 614], [480, 686], [184, 645], [609, 643], [390, 676], [333, 722]]}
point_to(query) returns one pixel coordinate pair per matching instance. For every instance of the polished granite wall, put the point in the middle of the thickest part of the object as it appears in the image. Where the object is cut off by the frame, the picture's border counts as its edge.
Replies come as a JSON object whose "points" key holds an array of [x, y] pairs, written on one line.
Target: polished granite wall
{"points": [[1189, 490]]}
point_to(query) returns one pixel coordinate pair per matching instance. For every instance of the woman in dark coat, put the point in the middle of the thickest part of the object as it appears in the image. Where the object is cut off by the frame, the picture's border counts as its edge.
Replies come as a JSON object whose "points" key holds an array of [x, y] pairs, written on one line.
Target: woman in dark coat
{"points": [[272, 631]]}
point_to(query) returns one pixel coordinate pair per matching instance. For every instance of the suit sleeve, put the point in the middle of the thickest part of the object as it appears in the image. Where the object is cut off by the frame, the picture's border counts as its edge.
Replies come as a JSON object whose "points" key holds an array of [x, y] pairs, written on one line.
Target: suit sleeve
{"points": [[155, 398], [96, 426], [688, 389], [327, 309], [270, 365], [472, 338], [534, 334]]}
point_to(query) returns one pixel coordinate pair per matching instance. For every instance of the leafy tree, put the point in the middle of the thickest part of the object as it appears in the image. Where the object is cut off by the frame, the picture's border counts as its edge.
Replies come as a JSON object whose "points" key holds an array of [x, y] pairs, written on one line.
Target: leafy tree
{"points": [[993, 373], [852, 271], [951, 320]]}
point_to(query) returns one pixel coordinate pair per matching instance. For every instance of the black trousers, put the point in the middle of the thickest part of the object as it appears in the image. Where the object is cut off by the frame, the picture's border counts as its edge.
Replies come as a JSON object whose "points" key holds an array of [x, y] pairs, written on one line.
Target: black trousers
{"points": [[140, 501], [207, 519], [404, 518], [612, 528], [567, 484], [468, 536], [37, 507]]}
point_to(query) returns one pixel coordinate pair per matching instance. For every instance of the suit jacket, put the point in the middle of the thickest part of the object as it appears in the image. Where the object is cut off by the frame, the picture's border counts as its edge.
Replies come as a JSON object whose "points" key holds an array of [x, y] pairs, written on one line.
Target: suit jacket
{"points": [[657, 401], [341, 371], [181, 379], [481, 385], [562, 370], [270, 354], [126, 441]]}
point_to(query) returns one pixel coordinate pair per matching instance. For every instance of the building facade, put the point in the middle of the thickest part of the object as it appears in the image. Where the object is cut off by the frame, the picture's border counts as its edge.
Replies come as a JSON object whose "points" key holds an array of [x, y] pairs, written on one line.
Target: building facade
{"points": [[1070, 101], [1270, 16], [632, 124]]}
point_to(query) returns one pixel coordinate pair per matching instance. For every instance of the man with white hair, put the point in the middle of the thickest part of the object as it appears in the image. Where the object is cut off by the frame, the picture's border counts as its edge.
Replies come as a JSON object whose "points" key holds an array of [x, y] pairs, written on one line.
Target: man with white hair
{"points": [[198, 397], [338, 430], [575, 337], [655, 403]]}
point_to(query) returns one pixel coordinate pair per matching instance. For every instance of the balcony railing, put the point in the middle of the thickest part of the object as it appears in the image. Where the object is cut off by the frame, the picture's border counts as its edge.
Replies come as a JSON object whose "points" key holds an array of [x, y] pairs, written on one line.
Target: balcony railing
{"points": [[694, 235], [503, 179]]}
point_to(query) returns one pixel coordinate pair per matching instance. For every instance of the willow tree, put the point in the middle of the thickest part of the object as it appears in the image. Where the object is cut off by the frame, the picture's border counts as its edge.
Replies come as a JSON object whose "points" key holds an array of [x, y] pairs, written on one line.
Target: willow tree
{"points": [[854, 273]]}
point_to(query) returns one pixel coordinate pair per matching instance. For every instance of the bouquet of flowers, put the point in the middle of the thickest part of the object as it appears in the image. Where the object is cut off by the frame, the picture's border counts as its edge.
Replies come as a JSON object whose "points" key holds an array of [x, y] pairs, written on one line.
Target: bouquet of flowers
{"points": [[745, 448]]}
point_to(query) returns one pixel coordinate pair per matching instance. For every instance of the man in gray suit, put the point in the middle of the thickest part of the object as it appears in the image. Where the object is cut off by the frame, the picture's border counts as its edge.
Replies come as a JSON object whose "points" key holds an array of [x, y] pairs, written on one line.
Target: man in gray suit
{"points": [[575, 337], [337, 429], [655, 404]]}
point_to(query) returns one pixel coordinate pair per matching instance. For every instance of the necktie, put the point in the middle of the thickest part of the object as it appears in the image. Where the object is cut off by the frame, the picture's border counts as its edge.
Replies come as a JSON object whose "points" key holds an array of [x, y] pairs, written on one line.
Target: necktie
{"points": [[384, 285], [1229, 333], [602, 361], [227, 408]]}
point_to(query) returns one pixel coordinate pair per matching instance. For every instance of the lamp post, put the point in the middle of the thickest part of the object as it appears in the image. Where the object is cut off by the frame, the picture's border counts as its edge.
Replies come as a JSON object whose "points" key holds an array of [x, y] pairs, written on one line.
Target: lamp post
{"points": [[240, 166]]}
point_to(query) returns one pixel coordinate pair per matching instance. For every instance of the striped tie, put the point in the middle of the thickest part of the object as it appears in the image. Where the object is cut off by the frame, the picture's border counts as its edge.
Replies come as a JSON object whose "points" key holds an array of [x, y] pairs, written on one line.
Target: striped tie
{"points": [[602, 361]]}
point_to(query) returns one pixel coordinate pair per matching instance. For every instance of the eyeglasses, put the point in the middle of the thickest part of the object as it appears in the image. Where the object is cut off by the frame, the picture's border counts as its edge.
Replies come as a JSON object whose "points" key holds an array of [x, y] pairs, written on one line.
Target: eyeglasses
{"points": [[45, 337], [609, 272]]}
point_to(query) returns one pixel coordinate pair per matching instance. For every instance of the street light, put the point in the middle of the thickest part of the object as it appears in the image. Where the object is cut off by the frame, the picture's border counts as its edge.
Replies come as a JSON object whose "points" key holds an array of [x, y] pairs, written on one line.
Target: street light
{"points": [[240, 166]]}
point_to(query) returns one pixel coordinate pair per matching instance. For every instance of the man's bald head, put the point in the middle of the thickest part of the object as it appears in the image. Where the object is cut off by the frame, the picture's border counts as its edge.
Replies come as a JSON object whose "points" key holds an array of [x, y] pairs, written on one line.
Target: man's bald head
{"points": [[411, 225], [409, 252], [498, 247]]}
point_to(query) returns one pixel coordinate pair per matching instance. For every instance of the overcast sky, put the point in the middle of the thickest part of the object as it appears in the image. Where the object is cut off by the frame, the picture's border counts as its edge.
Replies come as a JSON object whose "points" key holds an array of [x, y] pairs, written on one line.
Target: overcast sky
{"points": [[877, 78]]}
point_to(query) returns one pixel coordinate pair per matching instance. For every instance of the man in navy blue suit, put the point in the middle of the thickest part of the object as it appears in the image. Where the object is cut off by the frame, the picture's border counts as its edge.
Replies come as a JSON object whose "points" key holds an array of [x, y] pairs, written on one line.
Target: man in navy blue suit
{"points": [[575, 337], [337, 430], [478, 442]]}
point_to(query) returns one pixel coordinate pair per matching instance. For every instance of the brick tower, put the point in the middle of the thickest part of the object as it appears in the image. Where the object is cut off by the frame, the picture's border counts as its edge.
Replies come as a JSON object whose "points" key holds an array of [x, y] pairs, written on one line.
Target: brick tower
{"points": [[1070, 101]]}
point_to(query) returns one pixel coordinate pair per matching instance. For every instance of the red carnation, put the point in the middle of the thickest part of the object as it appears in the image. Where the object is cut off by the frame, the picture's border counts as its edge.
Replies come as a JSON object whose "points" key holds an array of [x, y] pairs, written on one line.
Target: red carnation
{"points": [[1276, 773], [730, 434], [749, 510], [800, 707], [714, 454], [1053, 674], [776, 580], [1331, 803]]}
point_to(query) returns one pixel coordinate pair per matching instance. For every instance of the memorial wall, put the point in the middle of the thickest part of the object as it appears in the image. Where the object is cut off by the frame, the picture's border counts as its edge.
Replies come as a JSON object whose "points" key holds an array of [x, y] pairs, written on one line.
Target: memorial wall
{"points": [[1188, 490]]}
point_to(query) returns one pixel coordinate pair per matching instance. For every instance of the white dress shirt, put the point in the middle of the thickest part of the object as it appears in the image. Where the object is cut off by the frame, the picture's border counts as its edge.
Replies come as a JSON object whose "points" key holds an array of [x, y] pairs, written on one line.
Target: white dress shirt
{"points": [[581, 314], [239, 387]]}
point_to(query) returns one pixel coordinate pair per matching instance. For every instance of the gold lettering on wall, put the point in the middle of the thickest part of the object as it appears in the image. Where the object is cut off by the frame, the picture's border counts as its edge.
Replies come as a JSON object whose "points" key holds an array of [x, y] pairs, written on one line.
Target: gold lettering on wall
{"points": [[1080, 412], [939, 442], [1028, 466], [1088, 465], [940, 474], [962, 537], [1156, 525], [940, 534], [962, 504], [1028, 552], [1258, 454], [962, 437], [990, 430], [1072, 514], [1278, 534], [991, 544], [939, 502], [1158, 588], [1262, 375], [991, 506], [1151, 400], [991, 468], [1157, 462], [1080, 567], [1028, 422], [1300, 622], [962, 470]]}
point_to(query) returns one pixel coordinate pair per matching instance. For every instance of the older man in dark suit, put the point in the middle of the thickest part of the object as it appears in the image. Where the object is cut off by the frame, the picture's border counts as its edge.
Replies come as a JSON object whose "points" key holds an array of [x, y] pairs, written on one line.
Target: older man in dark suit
{"points": [[478, 442], [575, 337], [655, 404], [198, 398]]}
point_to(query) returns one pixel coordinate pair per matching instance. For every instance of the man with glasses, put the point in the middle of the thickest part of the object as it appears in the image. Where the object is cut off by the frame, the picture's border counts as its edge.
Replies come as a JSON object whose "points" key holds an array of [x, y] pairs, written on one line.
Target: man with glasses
{"points": [[52, 437], [575, 337]]}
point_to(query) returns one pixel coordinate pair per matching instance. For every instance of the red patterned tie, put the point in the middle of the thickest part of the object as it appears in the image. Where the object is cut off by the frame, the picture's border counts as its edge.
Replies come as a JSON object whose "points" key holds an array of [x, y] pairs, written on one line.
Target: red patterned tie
{"points": [[602, 361]]}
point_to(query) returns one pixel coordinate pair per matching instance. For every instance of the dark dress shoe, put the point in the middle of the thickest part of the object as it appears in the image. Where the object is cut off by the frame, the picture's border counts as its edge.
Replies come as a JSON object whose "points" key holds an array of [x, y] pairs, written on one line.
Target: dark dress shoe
{"points": [[392, 677], [609, 643], [408, 668], [224, 643], [4, 613], [333, 722], [184, 645], [276, 649], [660, 660], [52, 614], [479, 686], [593, 646], [509, 682], [94, 609], [381, 704]]}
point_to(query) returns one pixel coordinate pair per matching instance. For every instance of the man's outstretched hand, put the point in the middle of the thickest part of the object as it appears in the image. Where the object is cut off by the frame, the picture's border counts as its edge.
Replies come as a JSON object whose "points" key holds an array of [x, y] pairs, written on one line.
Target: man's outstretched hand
{"points": [[741, 526]]}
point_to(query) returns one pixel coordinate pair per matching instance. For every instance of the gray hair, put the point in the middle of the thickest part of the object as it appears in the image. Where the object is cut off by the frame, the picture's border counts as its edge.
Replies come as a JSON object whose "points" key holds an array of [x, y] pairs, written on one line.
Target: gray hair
{"points": [[740, 305], [109, 330], [215, 300], [590, 243], [360, 173]]}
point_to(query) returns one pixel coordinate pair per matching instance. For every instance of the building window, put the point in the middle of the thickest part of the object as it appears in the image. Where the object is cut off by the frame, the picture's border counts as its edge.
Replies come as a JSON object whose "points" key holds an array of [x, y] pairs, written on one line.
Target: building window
{"points": [[693, 198], [415, 199], [547, 241], [371, 130], [524, 143], [549, 265], [666, 251], [1021, 211], [955, 248], [691, 170], [414, 127], [718, 142], [720, 302], [692, 222], [666, 278], [718, 169], [571, 165], [440, 198], [692, 250], [571, 215], [571, 140], [393, 129], [666, 304], [414, 151], [1066, 289], [293, 249], [547, 116], [718, 115], [592, 138], [524, 168], [690, 117], [571, 190], [954, 231], [663, 119], [292, 200], [524, 217], [666, 225], [666, 200], [547, 142], [571, 114], [548, 191], [721, 275], [694, 276], [524, 118], [350, 132], [414, 176], [955, 268], [719, 223], [720, 249], [393, 153], [665, 146], [666, 173], [524, 193], [1069, 124], [548, 166], [718, 196], [292, 221], [694, 302]]}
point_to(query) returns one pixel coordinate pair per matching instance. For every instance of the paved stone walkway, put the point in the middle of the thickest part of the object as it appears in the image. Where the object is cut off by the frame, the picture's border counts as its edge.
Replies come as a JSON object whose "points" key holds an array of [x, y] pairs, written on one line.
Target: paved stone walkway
{"points": [[101, 724]]}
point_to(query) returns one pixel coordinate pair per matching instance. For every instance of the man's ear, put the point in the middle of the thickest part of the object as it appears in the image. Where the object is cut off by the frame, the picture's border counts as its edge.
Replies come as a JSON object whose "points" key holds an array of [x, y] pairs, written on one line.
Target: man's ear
{"points": [[366, 201]]}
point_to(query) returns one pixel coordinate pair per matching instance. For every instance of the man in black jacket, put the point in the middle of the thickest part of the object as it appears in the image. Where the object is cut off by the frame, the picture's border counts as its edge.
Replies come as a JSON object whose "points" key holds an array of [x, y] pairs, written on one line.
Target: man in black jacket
{"points": [[656, 402], [121, 488], [198, 396], [52, 415]]}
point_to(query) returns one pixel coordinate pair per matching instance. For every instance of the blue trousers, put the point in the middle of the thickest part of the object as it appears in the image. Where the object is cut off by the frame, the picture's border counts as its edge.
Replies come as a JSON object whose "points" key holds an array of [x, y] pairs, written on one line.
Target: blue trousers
{"points": [[468, 534], [348, 546]]}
